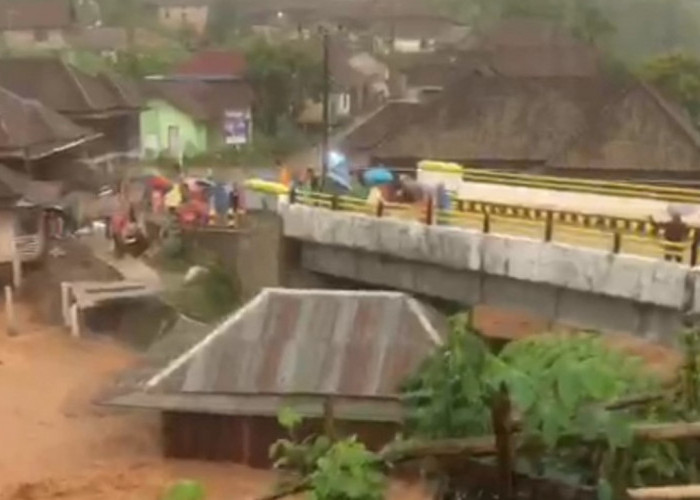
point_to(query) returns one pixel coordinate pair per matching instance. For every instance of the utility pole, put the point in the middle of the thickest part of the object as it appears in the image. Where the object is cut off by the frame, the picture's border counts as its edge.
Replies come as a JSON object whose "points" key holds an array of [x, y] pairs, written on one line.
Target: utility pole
{"points": [[326, 107]]}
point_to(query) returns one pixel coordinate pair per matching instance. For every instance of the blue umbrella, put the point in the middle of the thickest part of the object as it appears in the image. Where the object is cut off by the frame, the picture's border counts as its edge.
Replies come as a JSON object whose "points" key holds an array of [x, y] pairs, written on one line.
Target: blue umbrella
{"points": [[377, 176]]}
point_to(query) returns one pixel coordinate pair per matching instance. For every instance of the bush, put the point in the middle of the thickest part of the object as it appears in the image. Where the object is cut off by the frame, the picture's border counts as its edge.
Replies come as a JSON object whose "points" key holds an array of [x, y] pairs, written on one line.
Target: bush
{"points": [[208, 297]]}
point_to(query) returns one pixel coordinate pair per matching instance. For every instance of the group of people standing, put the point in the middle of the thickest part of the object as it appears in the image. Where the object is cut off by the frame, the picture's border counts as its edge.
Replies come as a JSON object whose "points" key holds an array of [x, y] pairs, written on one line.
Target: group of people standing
{"points": [[199, 202]]}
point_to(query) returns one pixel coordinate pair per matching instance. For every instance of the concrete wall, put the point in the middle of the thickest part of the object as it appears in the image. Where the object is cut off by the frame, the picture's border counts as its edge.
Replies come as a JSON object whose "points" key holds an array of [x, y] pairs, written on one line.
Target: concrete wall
{"points": [[253, 255], [582, 287]]}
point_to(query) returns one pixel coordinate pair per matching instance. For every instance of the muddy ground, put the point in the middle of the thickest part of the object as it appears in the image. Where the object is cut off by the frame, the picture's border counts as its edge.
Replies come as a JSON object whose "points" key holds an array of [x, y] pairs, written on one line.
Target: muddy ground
{"points": [[57, 444]]}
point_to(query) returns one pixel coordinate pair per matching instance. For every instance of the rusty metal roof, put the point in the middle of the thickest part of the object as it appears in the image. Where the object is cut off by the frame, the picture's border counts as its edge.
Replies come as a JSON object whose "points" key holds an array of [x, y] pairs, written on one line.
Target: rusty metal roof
{"points": [[291, 344]]}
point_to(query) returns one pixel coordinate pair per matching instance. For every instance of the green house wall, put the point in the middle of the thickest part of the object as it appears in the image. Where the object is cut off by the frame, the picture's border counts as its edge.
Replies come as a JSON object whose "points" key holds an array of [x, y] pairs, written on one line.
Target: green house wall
{"points": [[156, 121]]}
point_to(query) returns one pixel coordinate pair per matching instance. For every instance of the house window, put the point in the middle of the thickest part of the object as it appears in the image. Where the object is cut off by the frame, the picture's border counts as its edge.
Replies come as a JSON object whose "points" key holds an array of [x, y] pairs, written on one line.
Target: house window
{"points": [[41, 35]]}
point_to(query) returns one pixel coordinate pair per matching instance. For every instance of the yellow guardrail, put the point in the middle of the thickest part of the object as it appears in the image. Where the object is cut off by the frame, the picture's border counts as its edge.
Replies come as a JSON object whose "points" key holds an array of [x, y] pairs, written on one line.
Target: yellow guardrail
{"points": [[606, 233], [607, 188], [569, 184]]}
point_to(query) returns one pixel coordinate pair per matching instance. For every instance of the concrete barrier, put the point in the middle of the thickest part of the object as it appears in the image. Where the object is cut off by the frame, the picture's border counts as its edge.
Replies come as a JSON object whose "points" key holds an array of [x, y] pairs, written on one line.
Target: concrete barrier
{"points": [[586, 282]]}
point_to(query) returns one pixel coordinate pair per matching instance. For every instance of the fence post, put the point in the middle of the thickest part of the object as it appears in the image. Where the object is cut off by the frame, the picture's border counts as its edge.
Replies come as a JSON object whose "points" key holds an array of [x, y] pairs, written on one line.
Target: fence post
{"points": [[429, 208], [380, 208], [487, 223], [617, 242], [335, 202], [694, 248], [10, 312], [460, 205], [292, 196], [549, 226]]}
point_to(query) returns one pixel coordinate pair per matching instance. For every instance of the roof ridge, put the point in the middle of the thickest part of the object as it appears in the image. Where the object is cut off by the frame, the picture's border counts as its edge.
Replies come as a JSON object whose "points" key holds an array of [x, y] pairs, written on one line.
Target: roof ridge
{"points": [[71, 74], [685, 125], [112, 83]]}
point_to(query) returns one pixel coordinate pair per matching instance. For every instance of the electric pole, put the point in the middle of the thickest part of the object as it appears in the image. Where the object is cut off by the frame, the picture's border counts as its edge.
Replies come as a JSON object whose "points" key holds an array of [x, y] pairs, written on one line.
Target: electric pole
{"points": [[326, 107]]}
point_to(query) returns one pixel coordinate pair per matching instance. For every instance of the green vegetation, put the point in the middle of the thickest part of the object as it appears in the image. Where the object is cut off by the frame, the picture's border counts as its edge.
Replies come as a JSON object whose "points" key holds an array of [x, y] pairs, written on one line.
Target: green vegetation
{"points": [[136, 63], [185, 490], [262, 151], [284, 76], [562, 403], [678, 75], [332, 470], [209, 297]]}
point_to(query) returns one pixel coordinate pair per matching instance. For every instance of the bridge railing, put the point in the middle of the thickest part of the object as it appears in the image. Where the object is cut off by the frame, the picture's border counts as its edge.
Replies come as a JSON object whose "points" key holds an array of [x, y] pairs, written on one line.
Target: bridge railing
{"points": [[599, 187], [603, 232]]}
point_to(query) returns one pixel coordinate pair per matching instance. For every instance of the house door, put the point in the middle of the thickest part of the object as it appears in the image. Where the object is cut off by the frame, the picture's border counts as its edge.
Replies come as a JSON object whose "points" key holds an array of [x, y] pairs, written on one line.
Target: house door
{"points": [[174, 141]]}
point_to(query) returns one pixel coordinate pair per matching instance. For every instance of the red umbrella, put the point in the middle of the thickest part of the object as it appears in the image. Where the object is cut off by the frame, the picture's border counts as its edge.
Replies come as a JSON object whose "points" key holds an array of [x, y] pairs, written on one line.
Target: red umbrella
{"points": [[160, 183]]}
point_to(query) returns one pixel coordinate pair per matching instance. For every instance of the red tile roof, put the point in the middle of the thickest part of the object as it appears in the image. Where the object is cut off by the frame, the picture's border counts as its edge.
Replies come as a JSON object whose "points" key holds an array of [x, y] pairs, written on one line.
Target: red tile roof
{"points": [[214, 63]]}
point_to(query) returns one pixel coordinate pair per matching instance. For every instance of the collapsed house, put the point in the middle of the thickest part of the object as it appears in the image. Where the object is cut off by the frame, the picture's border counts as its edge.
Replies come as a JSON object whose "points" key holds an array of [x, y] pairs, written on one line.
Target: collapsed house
{"points": [[298, 349]]}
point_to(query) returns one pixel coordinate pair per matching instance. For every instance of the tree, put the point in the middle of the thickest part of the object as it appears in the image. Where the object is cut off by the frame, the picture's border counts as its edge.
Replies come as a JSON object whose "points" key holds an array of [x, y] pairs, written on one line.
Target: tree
{"points": [[284, 76], [678, 75], [222, 22], [583, 18]]}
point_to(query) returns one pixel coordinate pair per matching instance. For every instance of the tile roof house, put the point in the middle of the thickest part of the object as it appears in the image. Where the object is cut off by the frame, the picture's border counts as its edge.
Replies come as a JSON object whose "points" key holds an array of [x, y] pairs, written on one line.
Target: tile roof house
{"points": [[527, 96], [39, 24], [287, 348], [104, 103], [535, 48], [582, 126], [204, 103], [184, 118]]}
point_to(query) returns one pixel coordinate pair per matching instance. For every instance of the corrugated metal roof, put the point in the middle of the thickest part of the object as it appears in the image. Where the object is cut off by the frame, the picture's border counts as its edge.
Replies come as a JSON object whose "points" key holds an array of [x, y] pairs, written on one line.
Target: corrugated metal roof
{"points": [[291, 342]]}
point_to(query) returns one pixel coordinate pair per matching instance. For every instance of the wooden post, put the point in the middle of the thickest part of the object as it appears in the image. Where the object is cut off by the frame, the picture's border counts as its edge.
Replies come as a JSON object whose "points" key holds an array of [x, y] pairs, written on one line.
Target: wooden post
{"points": [[380, 209], [500, 419], [549, 226], [65, 303], [335, 202], [329, 418], [487, 223], [10, 311], [75, 320], [246, 439], [694, 248], [429, 209], [16, 266], [617, 242]]}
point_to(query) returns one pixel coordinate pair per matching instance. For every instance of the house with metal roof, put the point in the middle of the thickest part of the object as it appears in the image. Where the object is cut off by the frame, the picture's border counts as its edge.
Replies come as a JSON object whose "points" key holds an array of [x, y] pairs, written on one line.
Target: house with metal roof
{"points": [[528, 97], [103, 103], [301, 349]]}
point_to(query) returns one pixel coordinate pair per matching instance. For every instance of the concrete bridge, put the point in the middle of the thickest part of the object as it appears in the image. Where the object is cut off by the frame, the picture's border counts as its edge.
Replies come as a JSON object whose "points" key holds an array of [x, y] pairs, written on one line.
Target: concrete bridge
{"points": [[582, 287]]}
